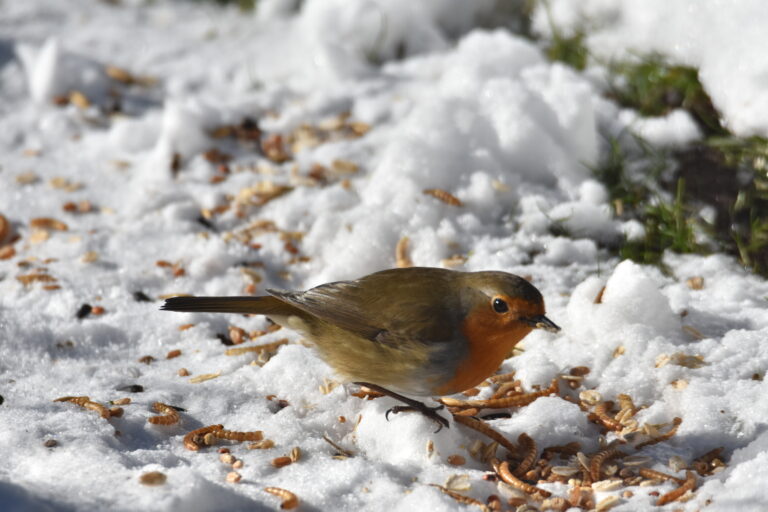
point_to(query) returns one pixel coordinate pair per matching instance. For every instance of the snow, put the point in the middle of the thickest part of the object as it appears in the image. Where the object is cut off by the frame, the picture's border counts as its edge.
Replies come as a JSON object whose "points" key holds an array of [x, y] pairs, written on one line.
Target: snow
{"points": [[479, 113]]}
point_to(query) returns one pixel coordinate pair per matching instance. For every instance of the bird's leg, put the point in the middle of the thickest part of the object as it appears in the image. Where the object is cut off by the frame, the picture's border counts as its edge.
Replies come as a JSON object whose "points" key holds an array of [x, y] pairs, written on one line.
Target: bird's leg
{"points": [[411, 405]]}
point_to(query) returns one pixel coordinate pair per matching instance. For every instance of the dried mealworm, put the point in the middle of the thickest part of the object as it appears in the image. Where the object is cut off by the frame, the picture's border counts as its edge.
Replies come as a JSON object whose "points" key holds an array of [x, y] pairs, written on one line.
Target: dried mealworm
{"points": [[565, 451], [86, 403], [502, 469], [444, 196], [168, 415], [500, 403], [601, 415], [193, 439], [527, 446], [652, 474], [465, 500], [485, 429], [502, 377], [402, 258], [290, 500], [596, 463], [231, 435], [625, 402], [663, 437], [505, 389], [706, 460], [676, 494], [268, 347]]}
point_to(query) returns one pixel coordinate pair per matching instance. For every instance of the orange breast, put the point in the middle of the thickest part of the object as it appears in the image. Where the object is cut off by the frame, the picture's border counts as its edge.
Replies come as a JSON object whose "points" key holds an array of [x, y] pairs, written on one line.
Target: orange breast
{"points": [[490, 342]]}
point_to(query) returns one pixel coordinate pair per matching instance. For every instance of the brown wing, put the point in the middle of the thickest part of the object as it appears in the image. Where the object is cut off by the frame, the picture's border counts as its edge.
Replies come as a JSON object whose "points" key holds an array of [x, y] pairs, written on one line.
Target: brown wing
{"points": [[391, 307]]}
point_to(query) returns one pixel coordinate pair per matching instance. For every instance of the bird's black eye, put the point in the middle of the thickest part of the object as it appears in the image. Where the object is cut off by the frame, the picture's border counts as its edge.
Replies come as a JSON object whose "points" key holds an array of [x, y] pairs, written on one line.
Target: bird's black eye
{"points": [[500, 306]]}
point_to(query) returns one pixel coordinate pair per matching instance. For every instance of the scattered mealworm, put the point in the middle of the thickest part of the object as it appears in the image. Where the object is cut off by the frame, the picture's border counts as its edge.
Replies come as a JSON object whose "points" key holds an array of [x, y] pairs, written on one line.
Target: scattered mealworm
{"points": [[183, 372], [443, 195], [456, 460], [663, 437], [635, 460], [205, 376], [703, 464], [652, 474], [146, 359], [120, 401], [193, 439], [566, 450], [502, 469], [465, 500], [502, 377], [86, 403], [48, 223], [234, 477], [600, 414], [485, 429], [116, 412], [280, 462], [268, 347], [227, 458], [625, 402], [153, 478], [695, 283], [295, 454], [290, 500], [169, 415], [184, 327], [676, 494], [527, 446], [507, 389], [500, 403], [596, 463], [402, 258], [230, 435]]}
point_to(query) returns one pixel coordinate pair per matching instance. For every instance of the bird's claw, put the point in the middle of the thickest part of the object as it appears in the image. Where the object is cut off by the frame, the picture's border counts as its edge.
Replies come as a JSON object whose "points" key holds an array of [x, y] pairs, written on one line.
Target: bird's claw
{"points": [[429, 412]]}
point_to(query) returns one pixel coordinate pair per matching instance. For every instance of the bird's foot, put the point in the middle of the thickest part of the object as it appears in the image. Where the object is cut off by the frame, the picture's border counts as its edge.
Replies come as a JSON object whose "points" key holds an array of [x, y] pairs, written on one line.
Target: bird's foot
{"points": [[411, 405], [426, 411]]}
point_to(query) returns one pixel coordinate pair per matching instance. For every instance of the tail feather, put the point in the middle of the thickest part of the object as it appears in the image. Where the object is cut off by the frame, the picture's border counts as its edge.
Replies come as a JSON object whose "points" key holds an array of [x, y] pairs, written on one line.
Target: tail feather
{"points": [[265, 305]]}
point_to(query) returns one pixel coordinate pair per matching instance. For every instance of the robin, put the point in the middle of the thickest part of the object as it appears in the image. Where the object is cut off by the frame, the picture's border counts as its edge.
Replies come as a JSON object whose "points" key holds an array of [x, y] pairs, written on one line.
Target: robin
{"points": [[416, 331]]}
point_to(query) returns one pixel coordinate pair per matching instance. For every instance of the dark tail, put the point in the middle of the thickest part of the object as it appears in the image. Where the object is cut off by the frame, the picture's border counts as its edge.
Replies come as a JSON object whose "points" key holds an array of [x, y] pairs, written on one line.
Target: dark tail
{"points": [[265, 305]]}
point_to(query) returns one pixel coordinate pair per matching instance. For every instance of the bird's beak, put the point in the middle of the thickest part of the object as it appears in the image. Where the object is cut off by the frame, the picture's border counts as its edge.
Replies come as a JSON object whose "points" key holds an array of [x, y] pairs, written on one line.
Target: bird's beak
{"points": [[541, 322]]}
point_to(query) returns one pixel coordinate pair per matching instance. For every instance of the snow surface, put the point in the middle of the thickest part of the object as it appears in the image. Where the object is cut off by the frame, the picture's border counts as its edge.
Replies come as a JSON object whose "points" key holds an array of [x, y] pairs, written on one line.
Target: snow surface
{"points": [[481, 114]]}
